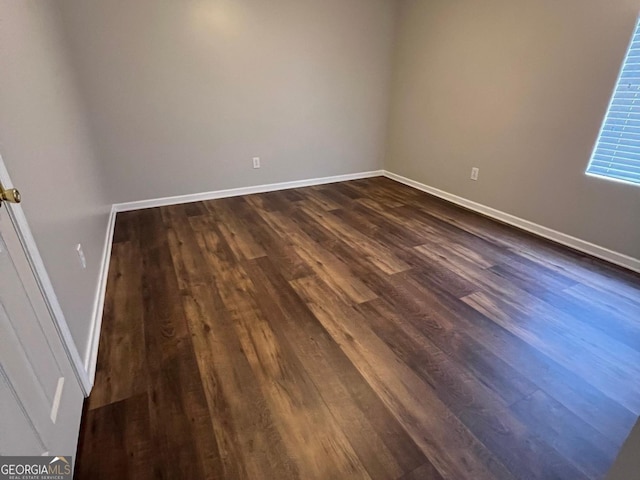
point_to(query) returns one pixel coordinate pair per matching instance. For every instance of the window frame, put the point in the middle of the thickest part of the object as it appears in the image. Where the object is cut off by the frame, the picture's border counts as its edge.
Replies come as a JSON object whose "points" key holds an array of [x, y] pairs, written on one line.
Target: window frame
{"points": [[636, 32]]}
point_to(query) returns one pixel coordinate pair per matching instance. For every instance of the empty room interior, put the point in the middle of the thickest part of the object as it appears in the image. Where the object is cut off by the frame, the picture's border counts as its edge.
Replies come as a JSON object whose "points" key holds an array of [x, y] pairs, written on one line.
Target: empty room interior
{"points": [[320, 239]]}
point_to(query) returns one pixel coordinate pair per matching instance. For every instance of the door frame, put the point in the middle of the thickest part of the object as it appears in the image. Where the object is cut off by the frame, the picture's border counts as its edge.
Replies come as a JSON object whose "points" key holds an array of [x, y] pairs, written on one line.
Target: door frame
{"points": [[19, 220]]}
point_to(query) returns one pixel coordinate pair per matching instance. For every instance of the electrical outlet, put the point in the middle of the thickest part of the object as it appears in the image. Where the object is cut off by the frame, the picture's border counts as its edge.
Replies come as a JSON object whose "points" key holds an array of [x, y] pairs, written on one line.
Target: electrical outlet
{"points": [[474, 173], [256, 162], [83, 260]]}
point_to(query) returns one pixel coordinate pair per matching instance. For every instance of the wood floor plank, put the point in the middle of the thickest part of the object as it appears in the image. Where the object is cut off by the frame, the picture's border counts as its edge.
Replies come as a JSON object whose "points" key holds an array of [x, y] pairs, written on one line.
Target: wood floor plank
{"points": [[285, 386], [250, 444], [620, 304], [186, 258], [381, 443], [493, 372], [482, 411], [335, 195], [116, 442], [588, 272], [307, 427], [597, 315], [456, 258], [179, 418], [181, 426], [565, 385], [361, 329], [121, 370], [242, 423], [534, 280], [450, 231], [423, 472], [576, 393], [562, 321], [194, 209], [424, 231], [546, 418], [235, 230], [289, 262], [125, 228], [271, 201], [455, 452], [573, 352], [390, 232], [314, 196], [378, 254], [321, 261], [577, 344], [384, 191]]}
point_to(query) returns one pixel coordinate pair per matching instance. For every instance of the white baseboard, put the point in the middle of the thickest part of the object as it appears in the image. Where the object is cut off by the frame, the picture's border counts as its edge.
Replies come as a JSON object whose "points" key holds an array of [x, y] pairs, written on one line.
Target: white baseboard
{"points": [[91, 357], [235, 192], [548, 233]]}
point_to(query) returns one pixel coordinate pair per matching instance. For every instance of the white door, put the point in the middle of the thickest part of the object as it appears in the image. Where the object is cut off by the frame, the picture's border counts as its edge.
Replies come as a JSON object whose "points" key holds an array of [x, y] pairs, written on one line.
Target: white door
{"points": [[40, 396]]}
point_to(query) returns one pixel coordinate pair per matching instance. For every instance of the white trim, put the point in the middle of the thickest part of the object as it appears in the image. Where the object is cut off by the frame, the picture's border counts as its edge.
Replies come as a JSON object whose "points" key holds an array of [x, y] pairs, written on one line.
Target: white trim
{"points": [[234, 192], [44, 282], [558, 237], [611, 179], [91, 357]]}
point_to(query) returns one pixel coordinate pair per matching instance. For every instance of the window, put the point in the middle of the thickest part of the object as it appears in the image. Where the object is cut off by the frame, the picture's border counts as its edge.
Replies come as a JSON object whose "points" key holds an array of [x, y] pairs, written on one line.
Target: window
{"points": [[617, 151]]}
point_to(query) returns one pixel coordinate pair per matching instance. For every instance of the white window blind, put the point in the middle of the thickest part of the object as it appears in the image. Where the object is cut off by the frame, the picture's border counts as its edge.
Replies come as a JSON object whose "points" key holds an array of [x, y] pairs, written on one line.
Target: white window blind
{"points": [[617, 151]]}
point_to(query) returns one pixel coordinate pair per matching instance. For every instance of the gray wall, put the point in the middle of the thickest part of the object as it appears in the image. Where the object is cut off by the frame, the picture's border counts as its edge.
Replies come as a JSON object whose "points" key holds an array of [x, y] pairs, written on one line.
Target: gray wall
{"points": [[519, 89], [183, 94], [47, 149], [627, 465]]}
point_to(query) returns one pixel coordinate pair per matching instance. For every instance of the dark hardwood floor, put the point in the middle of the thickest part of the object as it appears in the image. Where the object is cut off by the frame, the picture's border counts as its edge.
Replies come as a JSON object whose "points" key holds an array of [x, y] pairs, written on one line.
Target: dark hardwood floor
{"points": [[356, 330]]}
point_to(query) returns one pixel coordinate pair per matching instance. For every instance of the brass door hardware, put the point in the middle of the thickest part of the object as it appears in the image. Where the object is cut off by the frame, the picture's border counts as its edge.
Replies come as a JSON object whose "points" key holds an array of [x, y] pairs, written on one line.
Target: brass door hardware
{"points": [[11, 195]]}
